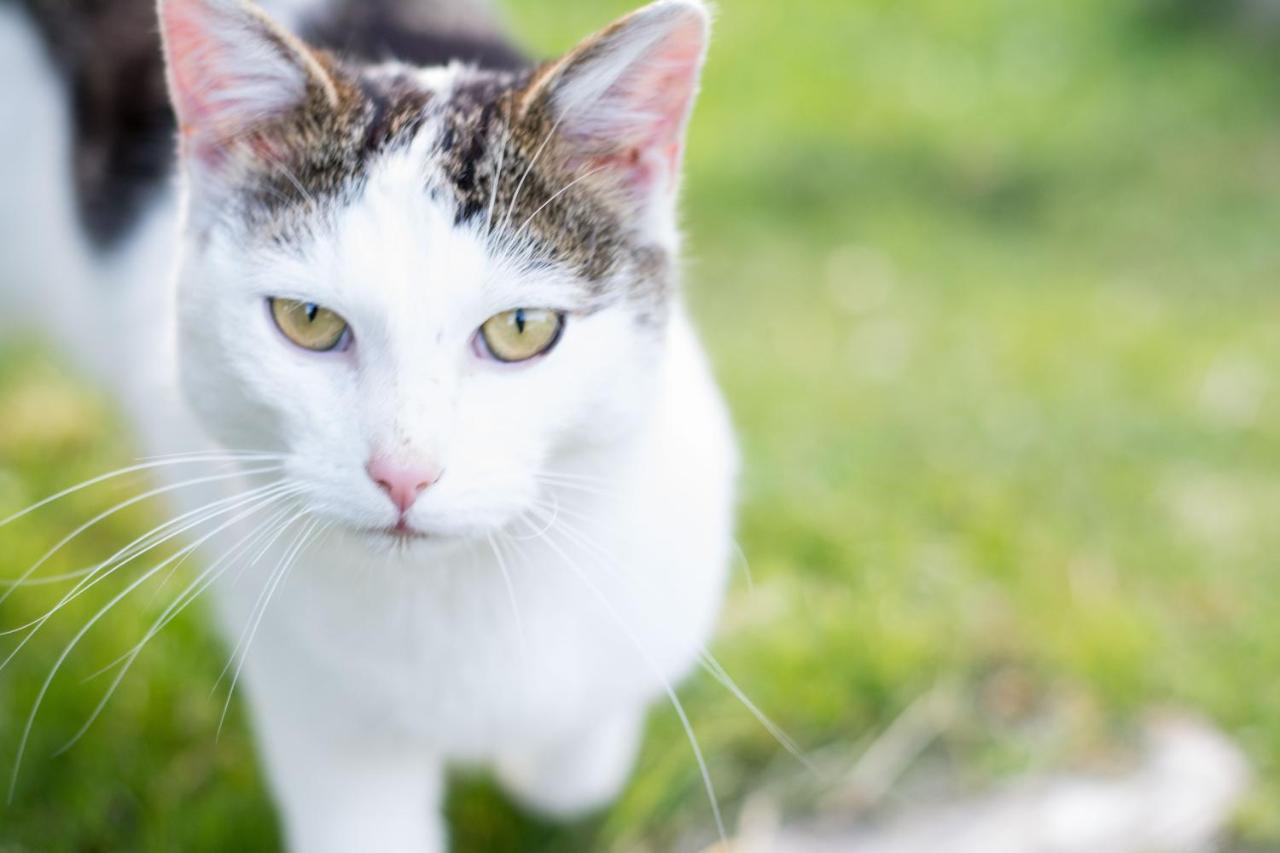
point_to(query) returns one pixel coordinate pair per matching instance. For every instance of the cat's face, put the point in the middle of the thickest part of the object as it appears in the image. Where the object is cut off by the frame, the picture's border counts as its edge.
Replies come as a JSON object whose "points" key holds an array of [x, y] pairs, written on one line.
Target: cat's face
{"points": [[428, 288]]}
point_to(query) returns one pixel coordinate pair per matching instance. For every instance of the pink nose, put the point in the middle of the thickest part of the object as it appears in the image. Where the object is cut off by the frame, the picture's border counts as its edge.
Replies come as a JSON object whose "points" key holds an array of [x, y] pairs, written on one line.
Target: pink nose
{"points": [[402, 481]]}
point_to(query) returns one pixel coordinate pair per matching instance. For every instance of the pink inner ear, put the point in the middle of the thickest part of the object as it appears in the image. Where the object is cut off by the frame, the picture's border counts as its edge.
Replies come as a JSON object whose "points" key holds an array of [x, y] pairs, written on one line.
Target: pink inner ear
{"points": [[193, 62], [665, 87], [636, 129], [226, 72]]}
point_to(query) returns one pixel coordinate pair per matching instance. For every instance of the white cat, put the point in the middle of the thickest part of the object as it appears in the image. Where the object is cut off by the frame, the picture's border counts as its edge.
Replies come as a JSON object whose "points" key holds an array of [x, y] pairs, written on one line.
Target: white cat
{"points": [[484, 503]]}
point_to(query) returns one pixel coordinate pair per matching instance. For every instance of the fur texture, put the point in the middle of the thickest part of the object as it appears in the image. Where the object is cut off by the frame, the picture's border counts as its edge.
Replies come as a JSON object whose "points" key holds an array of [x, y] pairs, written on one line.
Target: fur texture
{"points": [[567, 567]]}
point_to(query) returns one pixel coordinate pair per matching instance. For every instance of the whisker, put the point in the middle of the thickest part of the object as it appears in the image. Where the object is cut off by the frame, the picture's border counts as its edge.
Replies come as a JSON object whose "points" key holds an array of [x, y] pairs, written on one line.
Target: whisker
{"points": [[497, 178], [506, 220], [262, 552], [746, 566], [35, 625], [124, 505], [657, 671], [202, 581], [706, 659], [555, 196], [575, 476], [217, 455], [184, 599], [49, 580], [147, 542], [577, 487], [297, 539], [293, 179], [538, 533], [559, 508], [288, 563], [570, 108], [66, 652], [717, 670], [146, 465], [164, 581], [515, 606]]}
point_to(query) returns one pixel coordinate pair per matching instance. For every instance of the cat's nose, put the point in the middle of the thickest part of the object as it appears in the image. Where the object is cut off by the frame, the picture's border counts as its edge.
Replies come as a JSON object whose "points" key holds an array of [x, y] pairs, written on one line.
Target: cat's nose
{"points": [[402, 481]]}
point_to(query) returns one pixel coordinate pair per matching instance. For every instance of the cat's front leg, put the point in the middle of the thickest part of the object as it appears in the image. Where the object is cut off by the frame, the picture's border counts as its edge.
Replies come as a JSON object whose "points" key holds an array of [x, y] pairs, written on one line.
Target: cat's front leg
{"points": [[346, 791], [578, 774]]}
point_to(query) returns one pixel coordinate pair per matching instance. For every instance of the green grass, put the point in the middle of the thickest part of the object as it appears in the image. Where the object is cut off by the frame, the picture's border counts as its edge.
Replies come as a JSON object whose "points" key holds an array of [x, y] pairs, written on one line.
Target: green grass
{"points": [[991, 287]]}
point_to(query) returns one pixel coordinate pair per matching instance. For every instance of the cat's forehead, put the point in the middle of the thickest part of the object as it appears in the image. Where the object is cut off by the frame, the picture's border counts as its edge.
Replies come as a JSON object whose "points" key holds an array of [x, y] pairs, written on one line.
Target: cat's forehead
{"points": [[477, 157], [320, 157]]}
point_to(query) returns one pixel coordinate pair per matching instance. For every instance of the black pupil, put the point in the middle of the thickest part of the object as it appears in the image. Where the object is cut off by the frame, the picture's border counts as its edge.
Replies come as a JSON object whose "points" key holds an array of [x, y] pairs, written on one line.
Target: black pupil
{"points": [[312, 310], [520, 320]]}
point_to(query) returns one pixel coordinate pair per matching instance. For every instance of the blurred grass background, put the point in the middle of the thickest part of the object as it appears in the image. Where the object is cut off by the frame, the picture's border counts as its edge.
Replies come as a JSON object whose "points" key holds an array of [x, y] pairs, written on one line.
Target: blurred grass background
{"points": [[992, 288]]}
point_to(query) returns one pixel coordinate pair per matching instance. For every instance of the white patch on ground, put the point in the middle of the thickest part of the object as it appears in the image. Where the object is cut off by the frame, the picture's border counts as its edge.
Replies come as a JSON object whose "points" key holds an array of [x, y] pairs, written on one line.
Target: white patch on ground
{"points": [[1177, 799]]}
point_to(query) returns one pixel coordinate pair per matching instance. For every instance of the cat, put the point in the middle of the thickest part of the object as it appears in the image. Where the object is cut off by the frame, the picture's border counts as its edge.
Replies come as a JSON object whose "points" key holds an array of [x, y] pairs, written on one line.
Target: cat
{"points": [[481, 506]]}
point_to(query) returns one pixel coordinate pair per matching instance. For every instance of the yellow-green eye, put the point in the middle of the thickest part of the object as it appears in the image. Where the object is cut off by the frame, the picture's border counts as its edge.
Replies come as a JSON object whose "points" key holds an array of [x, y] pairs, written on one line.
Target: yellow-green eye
{"points": [[308, 325], [521, 334]]}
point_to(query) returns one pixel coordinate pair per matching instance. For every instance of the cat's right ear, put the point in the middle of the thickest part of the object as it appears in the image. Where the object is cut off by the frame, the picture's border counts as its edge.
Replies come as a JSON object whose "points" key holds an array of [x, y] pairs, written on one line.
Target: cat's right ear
{"points": [[619, 103], [233, 74]]}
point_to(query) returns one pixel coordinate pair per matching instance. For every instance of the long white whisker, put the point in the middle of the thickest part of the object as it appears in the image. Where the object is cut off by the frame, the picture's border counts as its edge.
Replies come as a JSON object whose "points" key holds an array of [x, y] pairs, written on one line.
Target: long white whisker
{"points": [[66, 652], [557, 508], [146, 465], [202, 582], [240, 642], [538, 533], [181, 555], [577, 487], [124, 505], [721, 675], [746, 566], [515, 606], [164, 581], [262, 552], [35, 626], [555, 196], [706, 659], [657, 671], [284, 570], [49, 580], [217, 456], [575, 477], [147, 542], [515, 196], [293, 179], [497, 179], [564, 114], [280, 576], [179, 604]]}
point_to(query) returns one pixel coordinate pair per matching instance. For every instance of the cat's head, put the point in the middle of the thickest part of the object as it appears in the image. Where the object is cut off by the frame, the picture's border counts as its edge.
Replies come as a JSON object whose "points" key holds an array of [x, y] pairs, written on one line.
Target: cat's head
{"points": [[429, 288]]}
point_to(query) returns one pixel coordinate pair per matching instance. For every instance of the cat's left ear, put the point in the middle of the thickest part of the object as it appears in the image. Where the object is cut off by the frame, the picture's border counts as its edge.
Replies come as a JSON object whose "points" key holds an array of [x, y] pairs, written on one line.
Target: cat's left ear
{"points": [[619, 103]]}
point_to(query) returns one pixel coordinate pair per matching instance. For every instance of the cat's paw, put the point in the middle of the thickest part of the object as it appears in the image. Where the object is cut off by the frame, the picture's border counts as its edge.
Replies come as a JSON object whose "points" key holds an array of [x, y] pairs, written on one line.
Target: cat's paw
{"points": [[576, 776]]}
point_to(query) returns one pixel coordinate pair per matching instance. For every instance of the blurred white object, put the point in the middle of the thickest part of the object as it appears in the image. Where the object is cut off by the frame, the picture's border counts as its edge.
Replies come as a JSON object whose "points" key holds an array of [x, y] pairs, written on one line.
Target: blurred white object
{"points": [[1176, 800]]}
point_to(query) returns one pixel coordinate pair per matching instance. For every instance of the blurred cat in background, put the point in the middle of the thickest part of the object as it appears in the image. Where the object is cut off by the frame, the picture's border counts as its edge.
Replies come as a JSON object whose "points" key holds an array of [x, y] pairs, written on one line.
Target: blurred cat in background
{"points": [[397, 321]]}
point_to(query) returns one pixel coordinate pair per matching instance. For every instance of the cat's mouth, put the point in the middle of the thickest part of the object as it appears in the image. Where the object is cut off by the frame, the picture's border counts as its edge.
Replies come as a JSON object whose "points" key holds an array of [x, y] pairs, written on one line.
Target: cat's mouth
{"points": [[401, 533]]}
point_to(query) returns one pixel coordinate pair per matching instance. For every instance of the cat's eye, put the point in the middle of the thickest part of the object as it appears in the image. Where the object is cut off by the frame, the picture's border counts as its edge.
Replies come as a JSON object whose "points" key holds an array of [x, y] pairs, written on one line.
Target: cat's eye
{"points": [[521, 334], [310, 326]]}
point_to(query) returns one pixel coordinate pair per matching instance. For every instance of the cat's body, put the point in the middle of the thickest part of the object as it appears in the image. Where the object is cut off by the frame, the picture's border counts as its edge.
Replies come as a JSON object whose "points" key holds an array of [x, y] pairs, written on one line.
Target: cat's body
{"points": [[576, 543]]}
